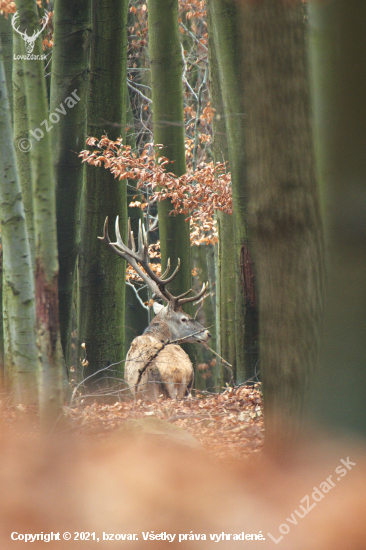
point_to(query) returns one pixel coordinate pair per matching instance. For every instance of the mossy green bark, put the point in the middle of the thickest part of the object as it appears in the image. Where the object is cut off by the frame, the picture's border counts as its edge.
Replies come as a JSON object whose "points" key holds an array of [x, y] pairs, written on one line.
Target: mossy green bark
{"points": [[72, 33], [21, 358], [101, 297], [136, 317], [338, 69], [167, 95], [225, 252], [227, 34], [204, 262]]}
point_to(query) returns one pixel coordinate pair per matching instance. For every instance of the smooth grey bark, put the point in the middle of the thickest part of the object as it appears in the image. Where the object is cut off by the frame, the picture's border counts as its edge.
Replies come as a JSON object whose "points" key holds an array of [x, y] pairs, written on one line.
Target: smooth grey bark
{"points": [[21, 367], [22, 143], [46, 262]]}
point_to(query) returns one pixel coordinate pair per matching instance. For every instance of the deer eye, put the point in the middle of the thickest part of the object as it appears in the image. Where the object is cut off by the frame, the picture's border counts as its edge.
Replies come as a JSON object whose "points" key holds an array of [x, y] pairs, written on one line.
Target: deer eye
{"points": [[184, 320]]}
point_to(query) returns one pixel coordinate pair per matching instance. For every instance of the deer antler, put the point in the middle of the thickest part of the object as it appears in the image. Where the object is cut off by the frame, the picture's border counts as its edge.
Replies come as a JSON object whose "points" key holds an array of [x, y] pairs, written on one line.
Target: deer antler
{"points": [[157, 284]]}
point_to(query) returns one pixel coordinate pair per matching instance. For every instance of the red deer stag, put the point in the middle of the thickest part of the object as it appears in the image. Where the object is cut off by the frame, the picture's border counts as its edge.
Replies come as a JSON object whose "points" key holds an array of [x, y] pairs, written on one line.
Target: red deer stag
{"points": [[155, 364]]}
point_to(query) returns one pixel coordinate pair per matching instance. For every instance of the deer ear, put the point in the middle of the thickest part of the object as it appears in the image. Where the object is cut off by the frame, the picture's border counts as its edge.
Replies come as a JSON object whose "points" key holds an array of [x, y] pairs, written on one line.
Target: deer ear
{"points": [[157, 307]]}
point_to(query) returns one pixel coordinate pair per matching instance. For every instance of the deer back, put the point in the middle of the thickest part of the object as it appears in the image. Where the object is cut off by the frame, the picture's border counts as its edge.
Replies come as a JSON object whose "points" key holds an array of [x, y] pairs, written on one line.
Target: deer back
{"points": [[154, 368]]}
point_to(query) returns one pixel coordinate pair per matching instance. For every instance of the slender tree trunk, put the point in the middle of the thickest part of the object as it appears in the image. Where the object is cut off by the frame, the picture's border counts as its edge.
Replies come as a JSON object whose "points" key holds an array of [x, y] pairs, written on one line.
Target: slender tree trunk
{"points": [[167, 94], [225, 252], [283, 212], [7, 55], [49, 348], [72, 33], [22, 143], [228, 37], [6, 33], [136, 317], [101, 307], [209, 304], [204, 263], [18, 273], [337, 53]]}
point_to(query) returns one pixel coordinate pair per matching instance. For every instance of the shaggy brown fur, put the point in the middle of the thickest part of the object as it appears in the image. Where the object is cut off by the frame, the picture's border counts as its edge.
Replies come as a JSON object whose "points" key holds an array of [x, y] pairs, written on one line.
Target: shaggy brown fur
{"points": [[153, 368]]}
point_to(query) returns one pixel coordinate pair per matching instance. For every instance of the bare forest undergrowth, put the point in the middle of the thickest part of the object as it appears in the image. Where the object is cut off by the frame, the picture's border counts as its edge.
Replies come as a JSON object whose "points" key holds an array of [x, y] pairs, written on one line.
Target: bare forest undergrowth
{"points": [[227, 424]]}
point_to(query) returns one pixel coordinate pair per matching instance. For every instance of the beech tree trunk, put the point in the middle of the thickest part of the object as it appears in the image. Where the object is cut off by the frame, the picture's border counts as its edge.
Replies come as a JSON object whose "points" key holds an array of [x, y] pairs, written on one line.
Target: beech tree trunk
{"points": [[6, 33], [72, 33], [284, 213], [228, 38], [337, 53], [46, 262], [167, 95], [225, 252], [101, 305], [22, 143], [21, 364], [136, 317]]}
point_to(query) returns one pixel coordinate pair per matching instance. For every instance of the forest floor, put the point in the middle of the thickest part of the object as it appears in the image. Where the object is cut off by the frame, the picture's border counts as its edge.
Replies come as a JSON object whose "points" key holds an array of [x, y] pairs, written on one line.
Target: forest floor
{"points": [[227, 424]]}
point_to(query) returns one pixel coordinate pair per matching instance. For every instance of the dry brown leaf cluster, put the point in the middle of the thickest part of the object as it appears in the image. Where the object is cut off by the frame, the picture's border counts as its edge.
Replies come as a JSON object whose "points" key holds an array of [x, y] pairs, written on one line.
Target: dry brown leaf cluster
{"points": [[226, 424], [6, 7], [196, 194], [138, 32], [193, 9]]}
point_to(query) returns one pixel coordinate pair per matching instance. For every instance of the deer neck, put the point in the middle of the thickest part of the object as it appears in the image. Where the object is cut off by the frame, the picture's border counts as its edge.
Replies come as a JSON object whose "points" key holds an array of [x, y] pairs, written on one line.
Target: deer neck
{"points": [[159, 329]]}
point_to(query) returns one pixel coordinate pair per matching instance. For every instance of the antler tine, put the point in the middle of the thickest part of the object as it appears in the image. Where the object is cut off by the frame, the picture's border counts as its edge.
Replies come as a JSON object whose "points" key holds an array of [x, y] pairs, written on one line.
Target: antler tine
{"points": [[181, 301], [184, 294], [142, 241], [105, 237], [130, 236], [129, 252], [166, 281], [167, 269], [144, 235], [121, 245]]}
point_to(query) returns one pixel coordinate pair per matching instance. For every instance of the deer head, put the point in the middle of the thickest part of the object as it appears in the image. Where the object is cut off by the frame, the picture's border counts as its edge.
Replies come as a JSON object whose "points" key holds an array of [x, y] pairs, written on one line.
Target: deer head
{"points": [[29, 40], [171, 322]]}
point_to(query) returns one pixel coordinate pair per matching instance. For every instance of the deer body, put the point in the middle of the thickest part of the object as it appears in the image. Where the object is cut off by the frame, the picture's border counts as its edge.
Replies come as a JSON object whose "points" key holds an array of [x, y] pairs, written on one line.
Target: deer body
{"points": [[153, 369], [155, 363], [153, 366]]}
